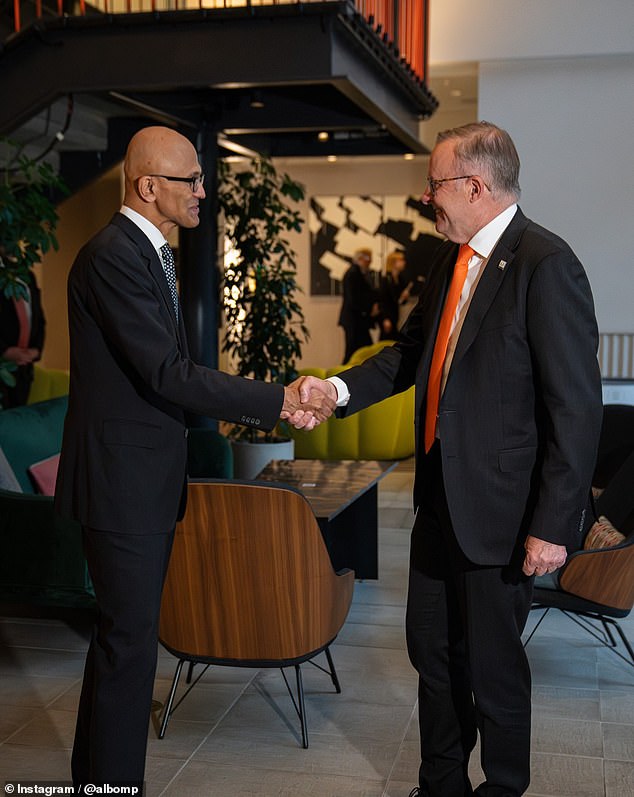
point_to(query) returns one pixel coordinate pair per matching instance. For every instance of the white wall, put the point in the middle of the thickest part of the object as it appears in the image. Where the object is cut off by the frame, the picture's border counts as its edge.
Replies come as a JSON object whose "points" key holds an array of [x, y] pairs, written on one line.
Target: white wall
{"points": [[559, 75], [572, 121], [464, 30]]}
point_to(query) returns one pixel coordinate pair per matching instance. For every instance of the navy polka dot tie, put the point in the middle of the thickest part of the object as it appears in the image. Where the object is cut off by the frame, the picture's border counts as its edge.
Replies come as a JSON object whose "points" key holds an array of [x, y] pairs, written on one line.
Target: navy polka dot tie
{"points": [[167, 256]]}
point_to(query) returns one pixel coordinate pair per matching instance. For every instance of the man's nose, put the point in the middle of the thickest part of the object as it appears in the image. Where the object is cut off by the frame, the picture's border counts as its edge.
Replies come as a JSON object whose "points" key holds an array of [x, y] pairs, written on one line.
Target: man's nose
{"points": [[427, 196]]}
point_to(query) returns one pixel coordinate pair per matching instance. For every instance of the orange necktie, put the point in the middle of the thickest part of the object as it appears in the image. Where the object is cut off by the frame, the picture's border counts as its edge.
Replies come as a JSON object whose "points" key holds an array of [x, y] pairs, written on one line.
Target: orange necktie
{"points": [[442, 339]]}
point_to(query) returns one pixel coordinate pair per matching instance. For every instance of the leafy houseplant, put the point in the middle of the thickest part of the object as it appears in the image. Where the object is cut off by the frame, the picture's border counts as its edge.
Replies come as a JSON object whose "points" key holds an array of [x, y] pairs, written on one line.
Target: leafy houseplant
{"points": [[265, 326], [28, 219]]}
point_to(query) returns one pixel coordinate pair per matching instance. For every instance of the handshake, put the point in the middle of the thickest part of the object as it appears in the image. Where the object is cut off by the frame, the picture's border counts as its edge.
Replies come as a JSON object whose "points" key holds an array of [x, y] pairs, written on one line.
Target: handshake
{"points": [[308, 401]]}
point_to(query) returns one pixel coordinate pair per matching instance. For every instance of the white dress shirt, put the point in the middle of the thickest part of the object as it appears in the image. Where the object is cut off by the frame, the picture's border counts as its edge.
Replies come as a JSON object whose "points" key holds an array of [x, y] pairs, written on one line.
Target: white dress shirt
{"points": [[156, 237]]}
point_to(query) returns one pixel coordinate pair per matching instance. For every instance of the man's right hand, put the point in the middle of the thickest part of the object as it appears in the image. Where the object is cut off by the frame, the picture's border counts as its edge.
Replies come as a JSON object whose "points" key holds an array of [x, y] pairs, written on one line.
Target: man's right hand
{"points": [[305, 407], [311, 385]]}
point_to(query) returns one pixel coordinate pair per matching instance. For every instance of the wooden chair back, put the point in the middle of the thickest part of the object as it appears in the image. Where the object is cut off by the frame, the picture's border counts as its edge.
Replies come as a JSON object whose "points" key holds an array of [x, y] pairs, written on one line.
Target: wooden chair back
{"points": [[603, 575], [250, 579]]}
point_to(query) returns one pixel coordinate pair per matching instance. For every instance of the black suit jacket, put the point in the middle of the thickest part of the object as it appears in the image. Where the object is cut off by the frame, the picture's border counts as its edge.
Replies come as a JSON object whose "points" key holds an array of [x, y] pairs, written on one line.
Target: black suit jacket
{"points": [[358, 298], [123, 460], [520, 416]]}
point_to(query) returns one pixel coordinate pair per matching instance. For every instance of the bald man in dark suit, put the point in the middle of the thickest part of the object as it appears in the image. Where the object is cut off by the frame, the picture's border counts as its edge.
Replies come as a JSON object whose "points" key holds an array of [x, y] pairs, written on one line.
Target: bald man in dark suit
{"points": [[122, 472]]}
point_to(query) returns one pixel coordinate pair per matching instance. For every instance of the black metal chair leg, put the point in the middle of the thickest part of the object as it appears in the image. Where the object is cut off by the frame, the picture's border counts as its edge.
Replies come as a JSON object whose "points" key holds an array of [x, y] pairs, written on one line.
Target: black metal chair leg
{"points": [[170, 700], [537, 624], [302, 706], [333, 672], [625, 641]]}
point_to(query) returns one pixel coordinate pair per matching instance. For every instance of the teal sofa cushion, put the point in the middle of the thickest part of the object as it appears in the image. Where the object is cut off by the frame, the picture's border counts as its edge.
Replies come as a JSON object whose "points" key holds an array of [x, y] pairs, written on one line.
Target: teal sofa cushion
{"points": [[41, 556], [30, 434]]}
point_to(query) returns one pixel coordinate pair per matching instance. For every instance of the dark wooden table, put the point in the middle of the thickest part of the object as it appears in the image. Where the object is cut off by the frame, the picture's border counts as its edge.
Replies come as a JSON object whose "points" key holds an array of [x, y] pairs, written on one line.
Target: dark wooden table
{"points": [[343, 495]]}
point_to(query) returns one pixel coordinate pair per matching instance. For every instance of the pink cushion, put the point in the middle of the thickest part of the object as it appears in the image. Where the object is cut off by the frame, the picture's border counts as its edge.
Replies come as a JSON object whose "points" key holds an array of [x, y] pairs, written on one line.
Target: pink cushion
{"points": [[44, 474], [602, 535]]}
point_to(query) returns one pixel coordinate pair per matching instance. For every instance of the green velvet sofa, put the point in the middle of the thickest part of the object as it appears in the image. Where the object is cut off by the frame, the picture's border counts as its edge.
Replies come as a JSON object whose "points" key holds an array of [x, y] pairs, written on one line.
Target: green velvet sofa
{"points": [[382, 431], [41, 557]]}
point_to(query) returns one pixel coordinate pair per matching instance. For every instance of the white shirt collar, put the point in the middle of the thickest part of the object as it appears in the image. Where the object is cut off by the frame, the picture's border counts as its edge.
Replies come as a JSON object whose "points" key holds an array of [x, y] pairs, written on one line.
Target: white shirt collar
{"points": [[153, 233], [484, 241]]}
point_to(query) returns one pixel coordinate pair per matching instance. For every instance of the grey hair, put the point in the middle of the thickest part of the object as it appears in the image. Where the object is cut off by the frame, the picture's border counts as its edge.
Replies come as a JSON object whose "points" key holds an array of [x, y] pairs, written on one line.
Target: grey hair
{"points": [[491, 151]]}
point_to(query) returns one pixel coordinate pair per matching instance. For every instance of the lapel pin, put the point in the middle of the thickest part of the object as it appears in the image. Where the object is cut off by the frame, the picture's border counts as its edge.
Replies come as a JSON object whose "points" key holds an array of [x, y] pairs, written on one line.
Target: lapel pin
{"points": [[502, 265]]}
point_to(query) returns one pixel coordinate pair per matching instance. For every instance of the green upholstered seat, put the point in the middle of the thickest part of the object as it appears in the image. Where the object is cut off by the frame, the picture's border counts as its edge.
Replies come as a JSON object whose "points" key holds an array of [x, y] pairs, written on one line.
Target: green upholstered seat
{"points": [[41, 556], [48, 383]]}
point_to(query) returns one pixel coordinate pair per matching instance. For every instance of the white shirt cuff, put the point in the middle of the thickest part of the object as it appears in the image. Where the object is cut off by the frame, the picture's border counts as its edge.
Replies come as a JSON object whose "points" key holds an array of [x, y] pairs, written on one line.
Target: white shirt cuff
{"points": [[343, 394]]}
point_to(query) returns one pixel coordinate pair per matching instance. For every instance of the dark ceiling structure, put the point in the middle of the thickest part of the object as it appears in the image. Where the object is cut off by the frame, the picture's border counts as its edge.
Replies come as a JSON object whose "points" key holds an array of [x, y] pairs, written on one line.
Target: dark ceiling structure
{"points": [[266, 79]]}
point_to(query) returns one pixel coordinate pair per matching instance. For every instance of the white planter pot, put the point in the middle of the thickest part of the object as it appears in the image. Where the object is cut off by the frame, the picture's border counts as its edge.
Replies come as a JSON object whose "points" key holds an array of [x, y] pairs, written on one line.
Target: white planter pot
{"points": [[250, 458]]}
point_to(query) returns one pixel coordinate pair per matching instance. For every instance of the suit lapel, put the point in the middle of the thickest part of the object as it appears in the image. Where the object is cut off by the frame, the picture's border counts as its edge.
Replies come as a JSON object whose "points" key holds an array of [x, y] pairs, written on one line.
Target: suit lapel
{"points": [[499, 264], [150, 256]]}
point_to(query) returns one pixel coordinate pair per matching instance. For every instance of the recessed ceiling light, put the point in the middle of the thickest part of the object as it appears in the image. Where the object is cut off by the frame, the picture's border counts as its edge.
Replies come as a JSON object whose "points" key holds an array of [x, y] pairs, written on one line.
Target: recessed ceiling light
{"points": [[331, 158], [323, 135]]}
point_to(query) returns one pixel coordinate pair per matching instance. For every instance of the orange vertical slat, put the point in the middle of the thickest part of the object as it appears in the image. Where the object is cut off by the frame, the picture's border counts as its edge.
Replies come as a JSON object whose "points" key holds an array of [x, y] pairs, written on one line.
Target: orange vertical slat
{"points": [[16, 15]]}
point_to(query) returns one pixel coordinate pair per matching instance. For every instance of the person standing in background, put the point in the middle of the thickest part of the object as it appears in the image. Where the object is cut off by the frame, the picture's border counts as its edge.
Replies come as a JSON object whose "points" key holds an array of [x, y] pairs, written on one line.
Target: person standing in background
{"points": [[393, 293], [502, 349], [22, 331], [360, 307]]}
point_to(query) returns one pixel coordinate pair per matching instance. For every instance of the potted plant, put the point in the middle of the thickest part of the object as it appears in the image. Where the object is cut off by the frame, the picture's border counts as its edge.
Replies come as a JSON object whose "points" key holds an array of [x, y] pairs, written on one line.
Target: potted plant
{"points": [[28, 218], [265, 326]]}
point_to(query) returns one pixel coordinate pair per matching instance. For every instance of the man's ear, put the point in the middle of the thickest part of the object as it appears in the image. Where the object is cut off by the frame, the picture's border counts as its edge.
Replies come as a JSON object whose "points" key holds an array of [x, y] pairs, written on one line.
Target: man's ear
{"points": [[476, 188], [145, 189]]}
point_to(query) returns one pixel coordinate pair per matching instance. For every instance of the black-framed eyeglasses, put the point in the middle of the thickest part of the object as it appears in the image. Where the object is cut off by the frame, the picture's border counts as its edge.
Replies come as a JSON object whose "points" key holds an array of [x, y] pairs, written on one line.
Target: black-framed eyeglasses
{"points": [[195, 182], [432, 185]]}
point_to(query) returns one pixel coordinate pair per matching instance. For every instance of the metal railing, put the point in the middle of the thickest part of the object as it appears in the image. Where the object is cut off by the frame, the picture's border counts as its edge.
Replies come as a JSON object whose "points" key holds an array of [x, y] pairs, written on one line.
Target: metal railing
{"points": [[401, 23], [616, 355]]}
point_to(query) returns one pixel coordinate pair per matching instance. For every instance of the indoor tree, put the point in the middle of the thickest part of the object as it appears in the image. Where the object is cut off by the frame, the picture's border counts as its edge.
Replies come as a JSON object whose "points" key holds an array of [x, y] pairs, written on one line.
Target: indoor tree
{"points": [[265, 326]]}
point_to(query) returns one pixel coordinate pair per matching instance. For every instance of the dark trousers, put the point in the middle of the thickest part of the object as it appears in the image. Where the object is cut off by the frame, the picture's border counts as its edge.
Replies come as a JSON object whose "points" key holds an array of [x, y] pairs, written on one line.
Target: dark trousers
{"points": [[128, 571], [464, 624]]}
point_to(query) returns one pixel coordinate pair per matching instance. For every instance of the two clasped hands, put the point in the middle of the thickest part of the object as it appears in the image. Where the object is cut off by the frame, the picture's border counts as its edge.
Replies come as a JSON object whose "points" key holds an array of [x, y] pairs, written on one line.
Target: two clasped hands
{"points": [[308, 401]]}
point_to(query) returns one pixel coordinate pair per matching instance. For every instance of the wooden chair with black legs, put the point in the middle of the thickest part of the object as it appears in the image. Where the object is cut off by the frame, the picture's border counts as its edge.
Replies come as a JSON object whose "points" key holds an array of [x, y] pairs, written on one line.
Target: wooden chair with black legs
{"points": [[595, 587], [250, 584]]}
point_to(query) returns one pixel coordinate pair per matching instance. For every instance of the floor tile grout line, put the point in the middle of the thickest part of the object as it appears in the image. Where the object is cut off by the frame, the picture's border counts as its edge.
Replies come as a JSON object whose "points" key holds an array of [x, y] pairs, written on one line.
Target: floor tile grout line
{"points": [[45, 707], [400, 748], [224, 714]]}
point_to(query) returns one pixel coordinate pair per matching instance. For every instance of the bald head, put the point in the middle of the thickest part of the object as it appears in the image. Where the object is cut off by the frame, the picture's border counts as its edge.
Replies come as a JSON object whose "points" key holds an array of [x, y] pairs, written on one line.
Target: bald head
{"points": [[156, 151]]}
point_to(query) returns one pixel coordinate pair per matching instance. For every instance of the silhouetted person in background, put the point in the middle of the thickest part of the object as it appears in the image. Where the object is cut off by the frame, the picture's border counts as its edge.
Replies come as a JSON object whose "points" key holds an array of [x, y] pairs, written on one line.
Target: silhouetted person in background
{"points": [[22, 328], [360, 303], [394, 291]]}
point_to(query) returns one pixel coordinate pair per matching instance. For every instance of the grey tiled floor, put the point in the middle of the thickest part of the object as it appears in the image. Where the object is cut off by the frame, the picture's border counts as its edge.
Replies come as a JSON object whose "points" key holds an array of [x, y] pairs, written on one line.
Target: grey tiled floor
{"points": [[236, 733]]}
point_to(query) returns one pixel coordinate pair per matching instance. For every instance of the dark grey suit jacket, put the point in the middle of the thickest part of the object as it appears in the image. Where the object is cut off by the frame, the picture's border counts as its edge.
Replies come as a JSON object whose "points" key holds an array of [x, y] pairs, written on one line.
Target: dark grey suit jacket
{"points": [[123, 461], [520, 416]]}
